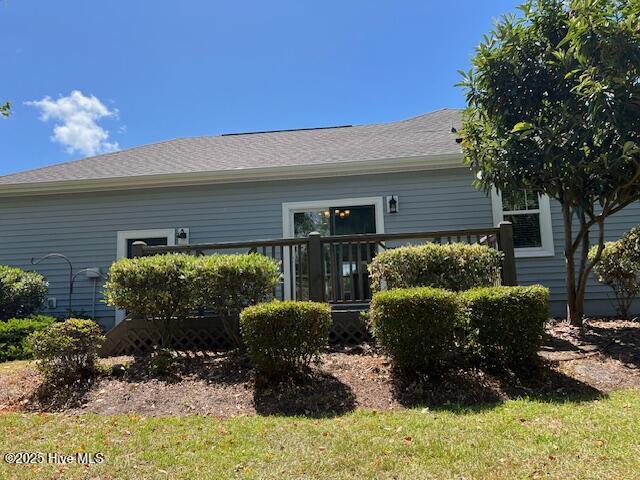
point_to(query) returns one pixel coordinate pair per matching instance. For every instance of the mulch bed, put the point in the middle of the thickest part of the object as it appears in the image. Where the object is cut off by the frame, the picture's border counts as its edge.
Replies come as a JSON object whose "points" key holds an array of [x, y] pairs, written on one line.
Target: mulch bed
{"points": [[575, 365]]}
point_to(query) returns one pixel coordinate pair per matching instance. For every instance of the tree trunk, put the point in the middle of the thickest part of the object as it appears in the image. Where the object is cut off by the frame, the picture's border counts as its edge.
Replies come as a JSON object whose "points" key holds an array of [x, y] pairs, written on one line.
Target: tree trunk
{"points": [[575, 302]]}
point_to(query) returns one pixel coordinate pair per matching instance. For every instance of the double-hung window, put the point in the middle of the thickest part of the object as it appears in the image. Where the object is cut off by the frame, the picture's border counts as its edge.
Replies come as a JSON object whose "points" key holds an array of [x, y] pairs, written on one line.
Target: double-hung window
{"points": [[530, 215]]}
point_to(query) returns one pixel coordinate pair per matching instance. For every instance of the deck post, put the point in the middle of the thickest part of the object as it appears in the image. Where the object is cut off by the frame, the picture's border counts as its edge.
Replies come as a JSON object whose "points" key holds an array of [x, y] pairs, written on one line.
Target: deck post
{"points": [[505, 243], [137, 249], [316, 276]]}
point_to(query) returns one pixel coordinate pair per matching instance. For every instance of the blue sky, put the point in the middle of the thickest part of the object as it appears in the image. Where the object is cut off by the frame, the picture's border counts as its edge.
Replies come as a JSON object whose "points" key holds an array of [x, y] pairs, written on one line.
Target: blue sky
{"points": [[154, 70]]}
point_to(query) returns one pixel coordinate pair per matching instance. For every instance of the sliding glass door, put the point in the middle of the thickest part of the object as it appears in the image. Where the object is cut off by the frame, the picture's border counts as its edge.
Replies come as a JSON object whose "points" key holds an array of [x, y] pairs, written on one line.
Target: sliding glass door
{"points": [[346, 274]]}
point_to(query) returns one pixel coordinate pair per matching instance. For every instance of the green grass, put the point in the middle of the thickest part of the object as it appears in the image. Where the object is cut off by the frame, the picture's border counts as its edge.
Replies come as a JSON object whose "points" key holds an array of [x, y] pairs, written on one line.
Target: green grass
{"points": [[519, 439]]}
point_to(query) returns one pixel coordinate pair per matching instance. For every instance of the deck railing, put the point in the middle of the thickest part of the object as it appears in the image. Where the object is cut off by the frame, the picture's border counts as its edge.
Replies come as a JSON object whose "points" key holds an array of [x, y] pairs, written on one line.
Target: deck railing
{"points": [[335, 268]]}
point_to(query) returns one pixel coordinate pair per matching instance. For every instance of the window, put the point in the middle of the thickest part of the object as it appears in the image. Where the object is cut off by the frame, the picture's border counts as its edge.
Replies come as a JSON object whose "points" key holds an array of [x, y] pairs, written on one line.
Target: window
{"points": [[531, 218]]}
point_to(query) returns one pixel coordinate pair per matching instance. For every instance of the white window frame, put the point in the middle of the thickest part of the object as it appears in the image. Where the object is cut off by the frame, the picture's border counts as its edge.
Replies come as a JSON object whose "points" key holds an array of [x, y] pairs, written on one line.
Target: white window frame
{"points": [[125, 235], [546, 228], [288, 226]]}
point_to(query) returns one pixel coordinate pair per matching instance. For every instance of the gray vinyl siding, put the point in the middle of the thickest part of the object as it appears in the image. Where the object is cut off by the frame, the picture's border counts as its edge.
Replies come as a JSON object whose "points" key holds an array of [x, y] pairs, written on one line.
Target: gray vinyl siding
{"points": [[84, 226], [550, 271]]}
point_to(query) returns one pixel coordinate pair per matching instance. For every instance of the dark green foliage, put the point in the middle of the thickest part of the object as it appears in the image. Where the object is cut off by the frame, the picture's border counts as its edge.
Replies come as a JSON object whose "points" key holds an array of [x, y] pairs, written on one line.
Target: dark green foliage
{"points": [[416, 326], [67, 352], [5, 109], [285, 336], [21, 293], [14, 333], [505, 325], [553, 106], [453, 267]]}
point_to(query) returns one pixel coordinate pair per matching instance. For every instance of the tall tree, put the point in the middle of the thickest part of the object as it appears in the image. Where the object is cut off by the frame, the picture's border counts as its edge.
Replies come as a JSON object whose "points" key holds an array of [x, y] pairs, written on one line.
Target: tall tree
{"points": [[5, 109], [553, 106]]}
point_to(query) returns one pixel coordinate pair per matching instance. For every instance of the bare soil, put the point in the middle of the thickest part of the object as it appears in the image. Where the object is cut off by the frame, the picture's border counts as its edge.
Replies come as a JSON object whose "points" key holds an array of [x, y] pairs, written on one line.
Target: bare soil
{"points": [[574, 365]]}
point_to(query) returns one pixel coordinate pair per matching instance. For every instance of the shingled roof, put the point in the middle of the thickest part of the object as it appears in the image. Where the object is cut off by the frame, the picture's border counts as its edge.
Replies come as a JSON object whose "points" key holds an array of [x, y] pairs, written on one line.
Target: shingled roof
{"points": [[424, 135]]}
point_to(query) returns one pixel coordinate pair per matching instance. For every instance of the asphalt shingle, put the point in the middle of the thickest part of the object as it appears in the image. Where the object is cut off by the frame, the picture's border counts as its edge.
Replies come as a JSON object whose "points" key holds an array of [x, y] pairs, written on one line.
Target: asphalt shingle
{"points": [[428, 134]]}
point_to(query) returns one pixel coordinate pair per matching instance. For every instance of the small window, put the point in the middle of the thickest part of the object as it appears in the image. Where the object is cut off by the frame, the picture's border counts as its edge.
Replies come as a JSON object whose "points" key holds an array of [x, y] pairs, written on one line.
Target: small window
{"points": [[151, 242], [531, 218]]}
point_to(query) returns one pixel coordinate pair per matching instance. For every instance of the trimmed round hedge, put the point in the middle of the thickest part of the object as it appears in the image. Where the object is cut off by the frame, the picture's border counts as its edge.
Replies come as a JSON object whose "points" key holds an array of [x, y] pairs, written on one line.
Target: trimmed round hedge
{"points": [[455, 267], [229, 283], [505, 325], [167, 287], [21, 293], [67, 352], [415, 326], [285, 336], [160, 286]]}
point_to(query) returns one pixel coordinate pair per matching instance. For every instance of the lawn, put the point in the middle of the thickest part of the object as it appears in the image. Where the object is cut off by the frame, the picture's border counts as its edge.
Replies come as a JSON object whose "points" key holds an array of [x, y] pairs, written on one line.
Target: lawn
{"points": [[516, 439]]}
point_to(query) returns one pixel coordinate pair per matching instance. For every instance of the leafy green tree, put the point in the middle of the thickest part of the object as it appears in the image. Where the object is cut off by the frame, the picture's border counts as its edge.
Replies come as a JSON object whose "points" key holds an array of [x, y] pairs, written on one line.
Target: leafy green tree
{"points": [[553, 105], [5, 109]]}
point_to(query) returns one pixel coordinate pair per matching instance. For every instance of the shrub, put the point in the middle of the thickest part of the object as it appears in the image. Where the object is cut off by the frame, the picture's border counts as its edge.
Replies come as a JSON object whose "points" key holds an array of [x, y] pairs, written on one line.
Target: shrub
{"points": [[21, 293], [453, 267], [159, 288], [229, 283], [163, 288], [14, 333], [619, 270], [505, 324], [67, 352], [415, 326], [282, 336]]}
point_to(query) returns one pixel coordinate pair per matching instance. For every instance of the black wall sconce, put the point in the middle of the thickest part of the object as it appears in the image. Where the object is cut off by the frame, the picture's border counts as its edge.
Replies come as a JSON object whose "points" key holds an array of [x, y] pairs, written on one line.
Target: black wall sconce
{"points": [[183, 236], [392, 204]]}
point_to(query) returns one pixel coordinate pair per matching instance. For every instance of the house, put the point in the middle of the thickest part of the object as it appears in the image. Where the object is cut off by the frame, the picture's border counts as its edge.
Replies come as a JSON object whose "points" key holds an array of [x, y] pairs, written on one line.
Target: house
{"points": [[270, 185]]}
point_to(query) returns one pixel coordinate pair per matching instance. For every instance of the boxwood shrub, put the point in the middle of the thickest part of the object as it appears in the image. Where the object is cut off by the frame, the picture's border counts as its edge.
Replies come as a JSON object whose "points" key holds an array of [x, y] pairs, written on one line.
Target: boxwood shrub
{"points": [[454, 267], [21, 293], [14, 333], [505, 325], [158, 288], [67, 352], [415, 326], [229, 283], [284, 336], [170, 287]]}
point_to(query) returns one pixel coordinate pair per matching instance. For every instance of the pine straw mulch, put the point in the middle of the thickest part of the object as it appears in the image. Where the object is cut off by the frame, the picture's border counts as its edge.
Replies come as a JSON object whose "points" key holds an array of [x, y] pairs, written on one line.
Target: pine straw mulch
{"points": [[575, 365]]}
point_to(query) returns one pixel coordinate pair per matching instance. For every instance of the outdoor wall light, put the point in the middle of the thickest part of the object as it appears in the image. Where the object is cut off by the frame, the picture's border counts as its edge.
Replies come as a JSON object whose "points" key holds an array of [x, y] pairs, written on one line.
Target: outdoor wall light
{"points": [[392, 204], [183, 236]]}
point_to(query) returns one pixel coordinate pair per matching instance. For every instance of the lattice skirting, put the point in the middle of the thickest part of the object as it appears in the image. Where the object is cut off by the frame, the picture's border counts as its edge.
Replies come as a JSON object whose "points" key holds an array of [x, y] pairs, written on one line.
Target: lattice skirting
{"points": [[135, 337]]}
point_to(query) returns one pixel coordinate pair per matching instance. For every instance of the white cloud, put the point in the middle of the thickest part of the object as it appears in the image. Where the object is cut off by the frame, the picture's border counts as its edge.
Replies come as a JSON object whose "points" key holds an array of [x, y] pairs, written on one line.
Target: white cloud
{"points": [[76, 118]]}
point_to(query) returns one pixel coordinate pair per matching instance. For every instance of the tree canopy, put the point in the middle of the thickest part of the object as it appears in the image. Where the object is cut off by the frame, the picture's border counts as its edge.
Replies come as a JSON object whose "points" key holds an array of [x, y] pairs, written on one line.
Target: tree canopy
{"points": [[553, 106]]}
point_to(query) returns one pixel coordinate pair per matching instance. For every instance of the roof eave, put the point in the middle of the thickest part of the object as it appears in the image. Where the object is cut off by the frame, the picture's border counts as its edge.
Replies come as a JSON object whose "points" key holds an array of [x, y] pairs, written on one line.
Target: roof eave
{"points": [[360, 167]]}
